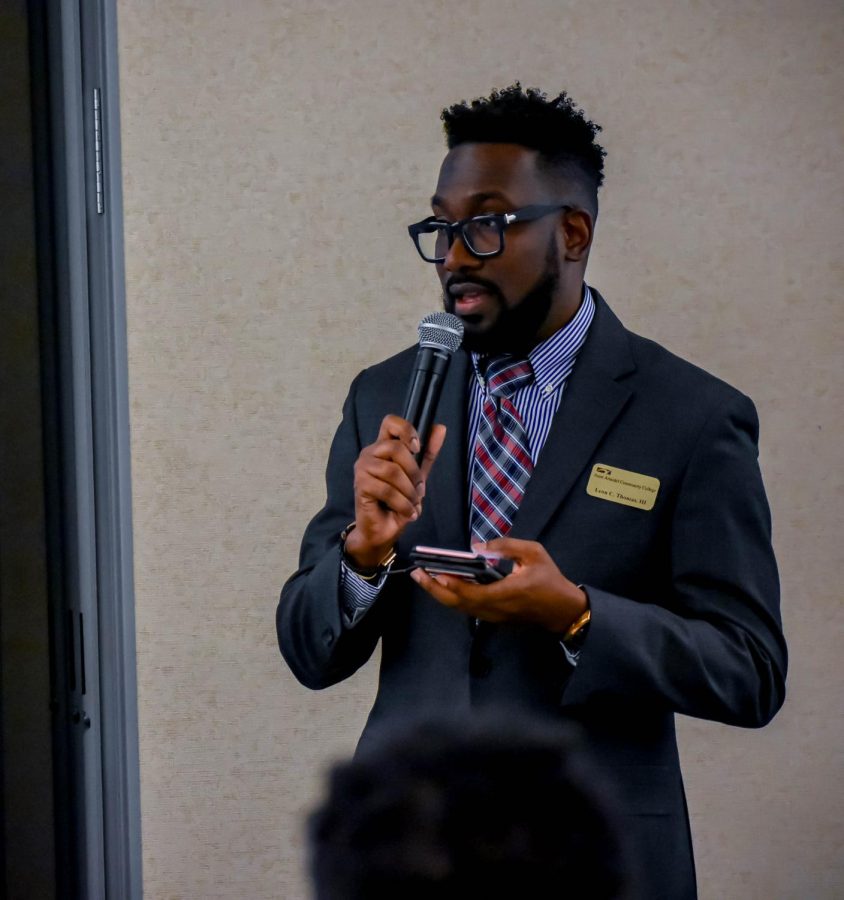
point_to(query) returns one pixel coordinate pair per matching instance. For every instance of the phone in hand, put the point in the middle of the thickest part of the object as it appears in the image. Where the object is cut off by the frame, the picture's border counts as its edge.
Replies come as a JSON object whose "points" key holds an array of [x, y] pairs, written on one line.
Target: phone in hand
{"points": [[480, 567]]}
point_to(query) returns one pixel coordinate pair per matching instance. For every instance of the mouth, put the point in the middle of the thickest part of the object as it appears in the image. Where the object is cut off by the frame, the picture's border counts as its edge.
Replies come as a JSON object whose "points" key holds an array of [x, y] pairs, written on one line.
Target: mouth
{"points": [[469, 298]]}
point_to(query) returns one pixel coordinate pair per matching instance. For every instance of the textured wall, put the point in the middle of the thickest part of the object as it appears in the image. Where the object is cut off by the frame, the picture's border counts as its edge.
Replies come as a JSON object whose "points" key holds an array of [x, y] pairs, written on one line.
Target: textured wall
{"points": [[273, 153]]}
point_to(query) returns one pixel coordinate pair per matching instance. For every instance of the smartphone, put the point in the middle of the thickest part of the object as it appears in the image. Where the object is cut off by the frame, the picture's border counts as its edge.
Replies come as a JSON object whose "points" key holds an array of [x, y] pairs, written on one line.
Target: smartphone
{"points": [[482, 568]]}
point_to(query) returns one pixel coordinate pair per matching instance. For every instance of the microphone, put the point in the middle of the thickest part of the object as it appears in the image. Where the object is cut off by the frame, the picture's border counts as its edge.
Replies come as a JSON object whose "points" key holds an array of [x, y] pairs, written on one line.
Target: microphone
{"points": [[440, 334]]}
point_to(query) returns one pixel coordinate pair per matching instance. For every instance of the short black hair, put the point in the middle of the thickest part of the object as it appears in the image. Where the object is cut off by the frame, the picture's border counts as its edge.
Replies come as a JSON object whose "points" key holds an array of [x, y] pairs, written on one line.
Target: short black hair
{"points": [[555, 127], [497, 806]]}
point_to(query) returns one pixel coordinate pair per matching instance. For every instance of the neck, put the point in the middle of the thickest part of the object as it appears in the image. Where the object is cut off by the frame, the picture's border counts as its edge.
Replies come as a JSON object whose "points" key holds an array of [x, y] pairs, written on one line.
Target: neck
{"points": [[563, 311]]}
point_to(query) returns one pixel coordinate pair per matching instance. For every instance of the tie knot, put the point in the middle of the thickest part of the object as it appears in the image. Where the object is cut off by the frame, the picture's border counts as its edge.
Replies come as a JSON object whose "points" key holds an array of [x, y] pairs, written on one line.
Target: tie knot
{"points": [[507, 374]]}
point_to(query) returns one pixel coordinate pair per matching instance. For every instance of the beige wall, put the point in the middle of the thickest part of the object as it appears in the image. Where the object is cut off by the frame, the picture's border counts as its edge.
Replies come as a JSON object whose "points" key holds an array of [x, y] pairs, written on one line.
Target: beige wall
{"points": [[273, 154]]}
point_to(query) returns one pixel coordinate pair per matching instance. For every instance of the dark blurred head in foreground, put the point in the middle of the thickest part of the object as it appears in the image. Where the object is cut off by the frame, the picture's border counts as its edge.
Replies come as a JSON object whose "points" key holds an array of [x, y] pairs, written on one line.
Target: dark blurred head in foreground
{"points": [[492, 807]]}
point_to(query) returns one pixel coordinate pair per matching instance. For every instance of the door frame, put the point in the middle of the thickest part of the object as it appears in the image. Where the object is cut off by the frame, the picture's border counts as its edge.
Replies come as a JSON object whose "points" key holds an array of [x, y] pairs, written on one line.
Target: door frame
{"points": [[82, 300]]}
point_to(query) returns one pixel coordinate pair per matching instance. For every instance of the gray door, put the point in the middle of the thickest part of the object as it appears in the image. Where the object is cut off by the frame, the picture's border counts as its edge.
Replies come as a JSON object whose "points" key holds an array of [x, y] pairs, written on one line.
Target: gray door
{"points": [[88, 567]]}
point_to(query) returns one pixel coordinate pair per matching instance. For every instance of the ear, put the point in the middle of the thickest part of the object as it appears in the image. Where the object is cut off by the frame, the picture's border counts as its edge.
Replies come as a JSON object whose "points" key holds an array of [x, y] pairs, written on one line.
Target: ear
{"points": [[575, 234]]}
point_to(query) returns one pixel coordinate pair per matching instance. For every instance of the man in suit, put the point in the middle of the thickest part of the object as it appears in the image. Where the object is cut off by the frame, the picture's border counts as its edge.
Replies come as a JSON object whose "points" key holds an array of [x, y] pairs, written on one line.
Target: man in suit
{"points": [[644, 581]]}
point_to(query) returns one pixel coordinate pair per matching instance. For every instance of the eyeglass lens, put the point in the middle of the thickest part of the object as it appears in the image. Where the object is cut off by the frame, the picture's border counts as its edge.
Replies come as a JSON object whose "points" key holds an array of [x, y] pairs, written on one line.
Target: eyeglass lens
{"points": [[482, 237]]}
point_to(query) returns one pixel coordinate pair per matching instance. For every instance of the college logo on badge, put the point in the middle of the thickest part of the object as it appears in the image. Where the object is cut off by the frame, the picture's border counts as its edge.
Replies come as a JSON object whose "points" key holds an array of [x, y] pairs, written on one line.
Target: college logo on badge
{"points": [[621, 486]]}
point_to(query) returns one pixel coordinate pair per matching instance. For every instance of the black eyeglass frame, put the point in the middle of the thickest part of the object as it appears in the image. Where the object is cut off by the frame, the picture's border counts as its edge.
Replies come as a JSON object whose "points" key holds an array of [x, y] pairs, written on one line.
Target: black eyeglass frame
{"points": [[501, 220]]}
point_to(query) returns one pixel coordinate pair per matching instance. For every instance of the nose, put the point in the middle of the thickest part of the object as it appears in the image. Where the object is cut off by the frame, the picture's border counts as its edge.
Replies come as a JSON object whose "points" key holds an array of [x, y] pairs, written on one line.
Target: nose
{"points": [[459, 258]]}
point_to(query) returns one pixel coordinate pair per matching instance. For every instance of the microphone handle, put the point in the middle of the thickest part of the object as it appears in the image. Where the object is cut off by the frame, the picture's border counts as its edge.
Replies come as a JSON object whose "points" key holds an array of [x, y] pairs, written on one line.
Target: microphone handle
{"points": [[418, 385], [430, 399]]}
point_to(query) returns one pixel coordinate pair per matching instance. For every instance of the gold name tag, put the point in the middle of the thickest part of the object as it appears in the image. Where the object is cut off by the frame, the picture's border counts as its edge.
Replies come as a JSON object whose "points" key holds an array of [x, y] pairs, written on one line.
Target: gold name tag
{"points": [[621, 486]]}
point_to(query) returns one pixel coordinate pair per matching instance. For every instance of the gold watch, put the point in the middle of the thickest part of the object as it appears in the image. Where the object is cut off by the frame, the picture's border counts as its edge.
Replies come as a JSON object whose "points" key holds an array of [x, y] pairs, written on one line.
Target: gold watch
{"points": [[576, 633]]}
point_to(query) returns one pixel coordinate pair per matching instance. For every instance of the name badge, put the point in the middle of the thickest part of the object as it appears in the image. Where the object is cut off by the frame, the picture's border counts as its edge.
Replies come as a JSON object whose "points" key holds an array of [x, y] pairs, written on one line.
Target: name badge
{"points": [[621, 486]]}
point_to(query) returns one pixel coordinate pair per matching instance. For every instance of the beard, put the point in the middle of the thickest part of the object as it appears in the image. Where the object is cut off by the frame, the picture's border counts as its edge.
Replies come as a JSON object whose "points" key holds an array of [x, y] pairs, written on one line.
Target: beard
{"points": [[515, 328]]}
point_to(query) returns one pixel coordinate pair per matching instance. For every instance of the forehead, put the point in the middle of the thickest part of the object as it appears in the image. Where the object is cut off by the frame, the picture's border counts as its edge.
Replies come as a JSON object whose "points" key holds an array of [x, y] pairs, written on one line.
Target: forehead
{"points": [[473, 171]]}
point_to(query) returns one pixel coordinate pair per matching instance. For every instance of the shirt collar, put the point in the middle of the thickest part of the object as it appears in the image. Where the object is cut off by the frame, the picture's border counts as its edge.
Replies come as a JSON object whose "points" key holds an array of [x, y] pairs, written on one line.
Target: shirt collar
{"points": [[552, 359]]}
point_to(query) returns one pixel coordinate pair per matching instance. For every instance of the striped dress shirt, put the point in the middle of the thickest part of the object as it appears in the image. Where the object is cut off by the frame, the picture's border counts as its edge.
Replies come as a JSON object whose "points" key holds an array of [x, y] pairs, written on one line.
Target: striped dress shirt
{"points": [[552, 361]]}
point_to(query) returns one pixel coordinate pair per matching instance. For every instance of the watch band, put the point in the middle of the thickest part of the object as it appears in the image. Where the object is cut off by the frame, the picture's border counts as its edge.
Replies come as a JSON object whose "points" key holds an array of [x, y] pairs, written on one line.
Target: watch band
{"points": [[576, 633], [578, 625]]}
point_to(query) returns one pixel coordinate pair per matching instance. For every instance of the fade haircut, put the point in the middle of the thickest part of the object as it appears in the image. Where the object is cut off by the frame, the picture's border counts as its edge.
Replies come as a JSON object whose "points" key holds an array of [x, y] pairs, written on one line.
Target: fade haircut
{"points": [[554, 127]]}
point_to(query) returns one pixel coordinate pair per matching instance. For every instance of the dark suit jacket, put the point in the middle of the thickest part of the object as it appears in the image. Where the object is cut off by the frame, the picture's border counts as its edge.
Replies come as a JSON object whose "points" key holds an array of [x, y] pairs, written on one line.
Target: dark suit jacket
{"points": [[684, 597]]}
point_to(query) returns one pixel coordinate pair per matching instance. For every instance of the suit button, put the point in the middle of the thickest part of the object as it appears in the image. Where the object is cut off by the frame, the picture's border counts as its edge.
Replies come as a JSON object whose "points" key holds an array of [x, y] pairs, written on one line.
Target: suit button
{"points": [[479, 666], [328, 637]]}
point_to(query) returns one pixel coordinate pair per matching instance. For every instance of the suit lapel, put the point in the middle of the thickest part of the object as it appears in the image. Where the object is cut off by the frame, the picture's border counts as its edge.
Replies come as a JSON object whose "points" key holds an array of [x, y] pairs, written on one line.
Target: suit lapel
{"points": [[592, 400], [446, 494]]}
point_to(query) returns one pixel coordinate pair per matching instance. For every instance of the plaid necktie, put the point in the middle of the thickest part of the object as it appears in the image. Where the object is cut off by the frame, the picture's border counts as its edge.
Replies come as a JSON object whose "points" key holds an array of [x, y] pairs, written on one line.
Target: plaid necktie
{"points": [[502, 465]]}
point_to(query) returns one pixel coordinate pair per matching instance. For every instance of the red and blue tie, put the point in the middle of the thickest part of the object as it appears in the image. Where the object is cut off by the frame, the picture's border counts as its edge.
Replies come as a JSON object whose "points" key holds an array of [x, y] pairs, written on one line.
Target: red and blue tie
{"points": [[502, 464]]}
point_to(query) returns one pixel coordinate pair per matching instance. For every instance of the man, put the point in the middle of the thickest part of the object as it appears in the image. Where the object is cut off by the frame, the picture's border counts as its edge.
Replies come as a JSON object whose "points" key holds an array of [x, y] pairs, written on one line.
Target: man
{"points": [[450, 809], [623, 481]]}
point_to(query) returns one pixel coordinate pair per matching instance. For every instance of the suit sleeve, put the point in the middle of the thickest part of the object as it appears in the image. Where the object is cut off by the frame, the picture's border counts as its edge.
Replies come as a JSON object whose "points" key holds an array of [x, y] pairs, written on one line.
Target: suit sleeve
{"points": [[312, 636], [713, 646]]}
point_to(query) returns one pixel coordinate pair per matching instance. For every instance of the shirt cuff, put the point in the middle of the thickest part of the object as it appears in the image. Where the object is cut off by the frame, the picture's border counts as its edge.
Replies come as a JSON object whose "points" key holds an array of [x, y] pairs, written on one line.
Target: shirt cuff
{"points": [[571, 658], [357, 595]]}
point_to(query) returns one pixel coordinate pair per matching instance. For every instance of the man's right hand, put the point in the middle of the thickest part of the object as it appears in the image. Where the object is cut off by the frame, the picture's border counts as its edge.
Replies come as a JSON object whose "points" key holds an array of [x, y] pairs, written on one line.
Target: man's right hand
{"points": [[389, 489]]}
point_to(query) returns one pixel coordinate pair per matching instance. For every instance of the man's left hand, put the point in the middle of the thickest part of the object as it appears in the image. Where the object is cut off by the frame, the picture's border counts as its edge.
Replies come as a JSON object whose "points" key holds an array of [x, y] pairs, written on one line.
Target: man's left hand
{"points": [[536, 591]]}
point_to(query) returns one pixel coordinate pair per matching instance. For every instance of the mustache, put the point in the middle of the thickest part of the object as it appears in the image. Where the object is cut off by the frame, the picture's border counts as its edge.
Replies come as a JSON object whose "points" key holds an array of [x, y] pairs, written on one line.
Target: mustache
{"points": [[489, 286]]}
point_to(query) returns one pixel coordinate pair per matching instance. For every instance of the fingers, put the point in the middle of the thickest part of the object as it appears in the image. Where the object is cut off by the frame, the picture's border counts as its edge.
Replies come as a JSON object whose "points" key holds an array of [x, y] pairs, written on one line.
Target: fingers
{"points": [[398, 443], [455, 591], [398, 429], [385, 482], [388, 479], [440, 588], [515, 549], [394, 428], [436, 439], [389, 487], [479, 601], [536, 592]]}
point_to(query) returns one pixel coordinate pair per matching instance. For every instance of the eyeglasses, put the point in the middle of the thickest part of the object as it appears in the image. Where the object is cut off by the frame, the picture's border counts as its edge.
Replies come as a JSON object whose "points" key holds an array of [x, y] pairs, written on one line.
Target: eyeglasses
{"points": [[483, 236]]}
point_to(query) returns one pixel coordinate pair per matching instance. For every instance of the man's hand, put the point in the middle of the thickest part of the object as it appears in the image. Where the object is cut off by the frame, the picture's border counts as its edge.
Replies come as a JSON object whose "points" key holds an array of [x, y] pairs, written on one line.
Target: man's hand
{"points": [[389, 488], [535, 592]]}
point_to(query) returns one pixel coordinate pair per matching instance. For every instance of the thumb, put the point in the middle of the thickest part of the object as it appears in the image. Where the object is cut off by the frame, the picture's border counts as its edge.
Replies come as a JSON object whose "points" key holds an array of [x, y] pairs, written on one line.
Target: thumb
{"points": [[511, 548], [436, 439]]}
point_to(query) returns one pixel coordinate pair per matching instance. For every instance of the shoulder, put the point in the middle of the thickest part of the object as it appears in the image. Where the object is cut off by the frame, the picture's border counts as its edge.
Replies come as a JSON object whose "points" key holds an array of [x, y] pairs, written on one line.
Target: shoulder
{"points": [[693, 400], [660, 372], [381, 380], [395, 365], [668, 394], [376, 391], [659, 366]]}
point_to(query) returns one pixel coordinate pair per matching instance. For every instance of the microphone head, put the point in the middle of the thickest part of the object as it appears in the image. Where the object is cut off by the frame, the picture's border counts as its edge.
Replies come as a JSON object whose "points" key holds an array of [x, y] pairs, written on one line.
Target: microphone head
{"points": [[442, 331]]}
